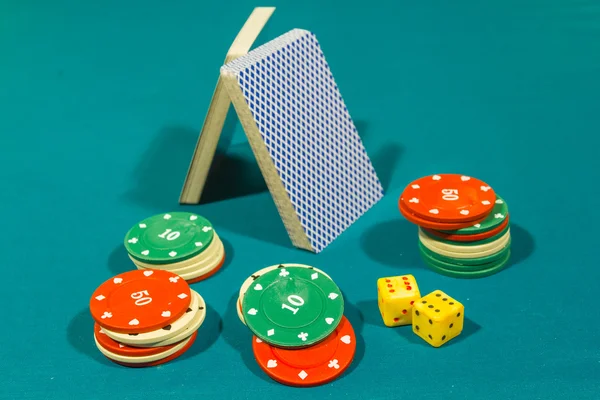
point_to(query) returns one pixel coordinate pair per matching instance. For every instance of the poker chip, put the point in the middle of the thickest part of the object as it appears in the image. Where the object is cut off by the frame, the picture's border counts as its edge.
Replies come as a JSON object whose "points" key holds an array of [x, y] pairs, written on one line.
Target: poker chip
{"points": [[169, 237], [293, 307], [201, 267], [140, 301], [165, 360], [142, 359], [415, 219], [165, 332], [465, 250], [462, 264], [484, 270], [448, 198], [183, 243], [480, 237], [146, 317], [464, 226], [497, 217], [122, 349], [311, 366], [471, 248], [248, 282]]}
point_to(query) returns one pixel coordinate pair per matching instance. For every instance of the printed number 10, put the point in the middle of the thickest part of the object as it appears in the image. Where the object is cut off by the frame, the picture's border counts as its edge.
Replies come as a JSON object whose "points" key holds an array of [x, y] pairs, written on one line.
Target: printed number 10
{"points": [[295, 301]]}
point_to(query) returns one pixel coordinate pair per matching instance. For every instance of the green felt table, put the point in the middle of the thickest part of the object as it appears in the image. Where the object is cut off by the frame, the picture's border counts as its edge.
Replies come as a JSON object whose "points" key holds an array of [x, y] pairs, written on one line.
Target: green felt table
{"points": [[101, 103]]}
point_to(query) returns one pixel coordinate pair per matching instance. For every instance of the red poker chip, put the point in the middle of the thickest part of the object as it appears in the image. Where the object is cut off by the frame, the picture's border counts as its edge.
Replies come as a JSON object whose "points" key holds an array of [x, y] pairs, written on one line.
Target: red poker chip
{"points": [[309, 366], [424, 223], [449, 198], [469, 238], [162, 361], [124, 350], [140, 301]]}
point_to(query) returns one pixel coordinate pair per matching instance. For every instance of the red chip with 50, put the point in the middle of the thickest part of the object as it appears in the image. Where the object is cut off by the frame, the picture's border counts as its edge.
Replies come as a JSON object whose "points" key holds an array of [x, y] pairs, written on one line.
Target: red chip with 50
{"points": [[140, 301], [448, 198]]}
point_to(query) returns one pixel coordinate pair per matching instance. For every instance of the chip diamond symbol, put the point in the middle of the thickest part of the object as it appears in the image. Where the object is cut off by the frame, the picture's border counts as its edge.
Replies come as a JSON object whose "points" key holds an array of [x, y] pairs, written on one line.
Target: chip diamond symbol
{"points": [[303, 374], [270, 332]]}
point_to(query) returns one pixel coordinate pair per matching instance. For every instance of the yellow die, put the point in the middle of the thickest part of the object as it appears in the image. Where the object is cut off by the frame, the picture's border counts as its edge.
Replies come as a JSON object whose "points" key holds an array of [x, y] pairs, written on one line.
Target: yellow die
{"points": [[395, 297], [438, 318]]}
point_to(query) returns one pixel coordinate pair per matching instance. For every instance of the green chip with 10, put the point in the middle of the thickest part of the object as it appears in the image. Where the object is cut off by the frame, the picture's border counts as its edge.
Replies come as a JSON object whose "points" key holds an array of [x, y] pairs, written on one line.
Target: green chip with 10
{"points": [[168, 238], [293, 307]]}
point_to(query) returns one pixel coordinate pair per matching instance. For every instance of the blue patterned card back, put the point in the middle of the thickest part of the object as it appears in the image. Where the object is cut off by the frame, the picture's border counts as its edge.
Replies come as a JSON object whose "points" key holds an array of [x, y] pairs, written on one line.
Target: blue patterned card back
{"points": [[309, 134]]}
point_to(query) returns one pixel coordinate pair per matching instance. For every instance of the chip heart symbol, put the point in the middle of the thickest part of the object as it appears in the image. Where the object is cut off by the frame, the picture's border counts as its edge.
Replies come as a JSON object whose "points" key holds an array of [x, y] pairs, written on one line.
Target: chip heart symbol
{"points": [[146, 252], [166, 314], [193, 217], [434, 211], [329, 321], [346, 339], [148, 273], [464, 212], [271, 363], [258, 286], [252, 311], [134, 322]]}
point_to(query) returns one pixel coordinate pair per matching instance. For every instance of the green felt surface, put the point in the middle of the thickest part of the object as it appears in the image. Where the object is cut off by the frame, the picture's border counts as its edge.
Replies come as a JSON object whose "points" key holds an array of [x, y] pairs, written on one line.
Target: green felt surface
{"points": [[100, 106]]}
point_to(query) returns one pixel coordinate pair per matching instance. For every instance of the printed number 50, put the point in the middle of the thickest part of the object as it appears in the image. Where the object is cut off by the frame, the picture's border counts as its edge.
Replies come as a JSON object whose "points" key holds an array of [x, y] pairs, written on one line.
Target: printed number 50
{"points": [[139, 298], [450, 194]]}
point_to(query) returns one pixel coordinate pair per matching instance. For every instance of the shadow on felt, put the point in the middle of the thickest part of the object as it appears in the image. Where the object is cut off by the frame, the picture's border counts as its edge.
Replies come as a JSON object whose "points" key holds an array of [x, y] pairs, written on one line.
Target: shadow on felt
{"points": [[393, 243], [239, 337], [522, 245], [208, 333], [470, 328], [160, 175], [81, 338]]}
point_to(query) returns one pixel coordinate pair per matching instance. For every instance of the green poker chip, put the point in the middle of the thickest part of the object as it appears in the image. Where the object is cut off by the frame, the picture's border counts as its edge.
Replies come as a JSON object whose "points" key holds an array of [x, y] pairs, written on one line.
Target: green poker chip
{"points": [[168, 238], [485, 270], [467, 244], [494, 218], [462, 263], [293, 307]]}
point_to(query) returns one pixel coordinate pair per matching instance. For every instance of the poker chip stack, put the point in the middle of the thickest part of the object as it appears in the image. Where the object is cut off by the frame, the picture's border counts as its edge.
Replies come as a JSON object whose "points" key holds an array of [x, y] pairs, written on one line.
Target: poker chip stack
{"points": [[464, 229], [145, 318], [296, 313], [180, 242]]}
